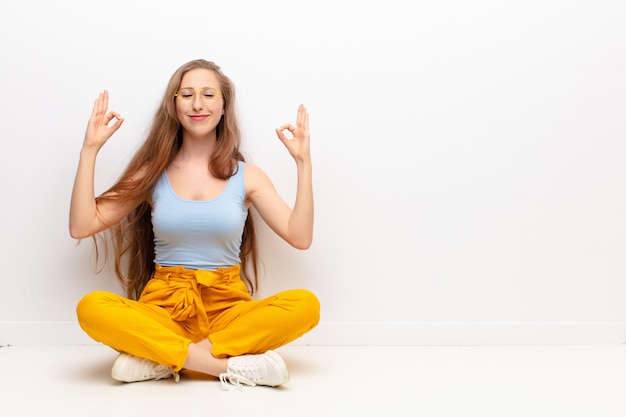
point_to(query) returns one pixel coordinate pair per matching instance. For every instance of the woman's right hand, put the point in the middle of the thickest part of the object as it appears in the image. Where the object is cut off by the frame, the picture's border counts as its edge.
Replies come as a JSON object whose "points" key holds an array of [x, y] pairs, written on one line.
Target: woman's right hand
{"points": [[98, 129]]}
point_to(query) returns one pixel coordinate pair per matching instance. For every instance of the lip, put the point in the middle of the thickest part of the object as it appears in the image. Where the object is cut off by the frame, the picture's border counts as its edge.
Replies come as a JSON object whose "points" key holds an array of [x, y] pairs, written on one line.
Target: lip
{"points": [[198, 117]]}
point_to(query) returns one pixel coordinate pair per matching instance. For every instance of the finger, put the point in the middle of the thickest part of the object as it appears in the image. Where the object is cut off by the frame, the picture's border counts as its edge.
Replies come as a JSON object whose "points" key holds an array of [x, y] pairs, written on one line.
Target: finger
{"points": [[300, 113], [94, 111], [288, 127], [112, 115], [303, 117], [281, 135], [104, 101], [97, 105], [101, 104], [117, 124]]}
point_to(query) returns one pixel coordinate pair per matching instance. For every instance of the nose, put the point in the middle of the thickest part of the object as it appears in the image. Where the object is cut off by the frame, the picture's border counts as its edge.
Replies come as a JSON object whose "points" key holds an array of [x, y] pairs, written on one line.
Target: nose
{"points": [[198, 102]]}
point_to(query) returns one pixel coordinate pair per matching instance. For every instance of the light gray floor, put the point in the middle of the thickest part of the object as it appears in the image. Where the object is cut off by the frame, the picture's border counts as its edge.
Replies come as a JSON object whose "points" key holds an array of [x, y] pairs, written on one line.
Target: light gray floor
{"points": [[529, 381]]}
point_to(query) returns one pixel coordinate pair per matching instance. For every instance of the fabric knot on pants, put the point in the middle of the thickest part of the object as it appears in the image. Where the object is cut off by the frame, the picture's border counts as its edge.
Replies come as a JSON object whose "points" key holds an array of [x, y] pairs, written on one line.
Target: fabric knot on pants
{"points": [[179, 291]]}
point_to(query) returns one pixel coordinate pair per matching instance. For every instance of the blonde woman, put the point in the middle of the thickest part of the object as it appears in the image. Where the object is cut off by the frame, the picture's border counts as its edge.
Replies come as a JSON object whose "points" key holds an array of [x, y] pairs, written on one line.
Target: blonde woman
{"points": [[178, 224]]}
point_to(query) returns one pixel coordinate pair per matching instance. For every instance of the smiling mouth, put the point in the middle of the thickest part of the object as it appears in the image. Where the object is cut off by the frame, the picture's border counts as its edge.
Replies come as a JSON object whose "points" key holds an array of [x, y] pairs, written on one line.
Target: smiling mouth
{"points": [[198, 117]]}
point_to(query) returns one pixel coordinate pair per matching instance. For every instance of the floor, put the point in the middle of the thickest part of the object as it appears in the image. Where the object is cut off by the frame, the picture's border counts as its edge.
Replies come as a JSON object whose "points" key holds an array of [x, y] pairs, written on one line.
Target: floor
{"points": [[343, 381]]}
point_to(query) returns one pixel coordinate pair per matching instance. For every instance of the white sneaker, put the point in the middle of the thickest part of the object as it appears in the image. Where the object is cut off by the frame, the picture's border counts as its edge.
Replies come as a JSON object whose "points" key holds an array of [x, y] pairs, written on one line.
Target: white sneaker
{"points": [[265, 369], [129, 368]]}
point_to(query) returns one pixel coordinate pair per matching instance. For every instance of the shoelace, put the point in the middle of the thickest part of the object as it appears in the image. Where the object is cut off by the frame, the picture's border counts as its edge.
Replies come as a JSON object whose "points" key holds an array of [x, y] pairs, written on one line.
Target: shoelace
{"points": [[160, 371], [234, 379]]}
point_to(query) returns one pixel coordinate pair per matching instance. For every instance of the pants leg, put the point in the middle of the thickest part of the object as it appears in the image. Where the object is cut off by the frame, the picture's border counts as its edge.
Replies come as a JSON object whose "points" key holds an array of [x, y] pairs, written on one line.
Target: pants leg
{"points": [[141, 329], [239, 326]]}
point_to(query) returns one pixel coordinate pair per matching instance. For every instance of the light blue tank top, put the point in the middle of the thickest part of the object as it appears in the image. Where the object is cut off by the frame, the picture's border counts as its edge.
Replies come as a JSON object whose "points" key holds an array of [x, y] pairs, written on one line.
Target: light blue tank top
{"points": [[199, 234]]}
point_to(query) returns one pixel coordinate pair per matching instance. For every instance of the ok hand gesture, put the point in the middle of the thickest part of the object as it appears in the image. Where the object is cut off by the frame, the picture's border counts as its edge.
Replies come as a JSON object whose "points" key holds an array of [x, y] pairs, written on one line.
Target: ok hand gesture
{"points": [[298, 146], [98, 129]]}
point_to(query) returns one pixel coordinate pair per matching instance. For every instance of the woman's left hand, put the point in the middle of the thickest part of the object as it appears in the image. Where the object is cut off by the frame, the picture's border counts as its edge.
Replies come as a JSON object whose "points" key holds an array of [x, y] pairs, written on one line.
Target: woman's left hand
{"points": [[298, 145]]}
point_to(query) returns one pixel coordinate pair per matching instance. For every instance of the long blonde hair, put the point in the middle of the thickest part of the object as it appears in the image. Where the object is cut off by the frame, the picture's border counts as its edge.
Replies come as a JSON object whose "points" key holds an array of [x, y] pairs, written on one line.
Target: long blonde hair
{"points": [[132, 238]]}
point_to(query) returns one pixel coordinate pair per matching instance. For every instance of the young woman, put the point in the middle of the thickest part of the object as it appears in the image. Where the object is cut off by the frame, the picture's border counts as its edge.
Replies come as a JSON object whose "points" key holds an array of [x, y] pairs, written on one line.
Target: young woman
{"points": [[185, 251]]}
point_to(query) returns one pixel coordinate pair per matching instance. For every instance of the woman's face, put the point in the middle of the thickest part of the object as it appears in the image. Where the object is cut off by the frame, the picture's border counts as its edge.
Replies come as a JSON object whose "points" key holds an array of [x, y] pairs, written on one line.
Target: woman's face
{"points": [[199, 102]]}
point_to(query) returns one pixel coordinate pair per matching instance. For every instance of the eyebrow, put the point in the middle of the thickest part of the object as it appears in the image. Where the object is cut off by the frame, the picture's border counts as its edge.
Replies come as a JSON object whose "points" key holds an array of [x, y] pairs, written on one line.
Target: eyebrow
{"points": [[202, 88]]}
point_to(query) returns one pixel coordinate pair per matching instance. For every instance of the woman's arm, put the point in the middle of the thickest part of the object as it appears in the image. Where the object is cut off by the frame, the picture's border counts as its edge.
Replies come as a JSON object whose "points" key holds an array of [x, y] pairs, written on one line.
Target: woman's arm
{"points": [[86, 216], [295, 225]]}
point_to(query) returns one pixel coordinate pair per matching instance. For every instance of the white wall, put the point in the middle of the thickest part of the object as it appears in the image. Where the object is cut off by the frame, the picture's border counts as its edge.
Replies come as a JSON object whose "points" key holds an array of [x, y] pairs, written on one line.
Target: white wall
{"points": [[468, 156]]}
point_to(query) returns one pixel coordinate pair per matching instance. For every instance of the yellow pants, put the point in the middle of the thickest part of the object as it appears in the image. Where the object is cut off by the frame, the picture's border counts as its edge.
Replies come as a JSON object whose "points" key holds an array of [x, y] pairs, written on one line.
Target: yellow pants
{"points": [[179, 306]]}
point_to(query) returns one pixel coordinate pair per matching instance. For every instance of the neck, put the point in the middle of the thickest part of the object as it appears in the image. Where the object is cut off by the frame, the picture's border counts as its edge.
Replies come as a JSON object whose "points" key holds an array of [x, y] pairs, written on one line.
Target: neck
{"points": [[197, 148]]}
